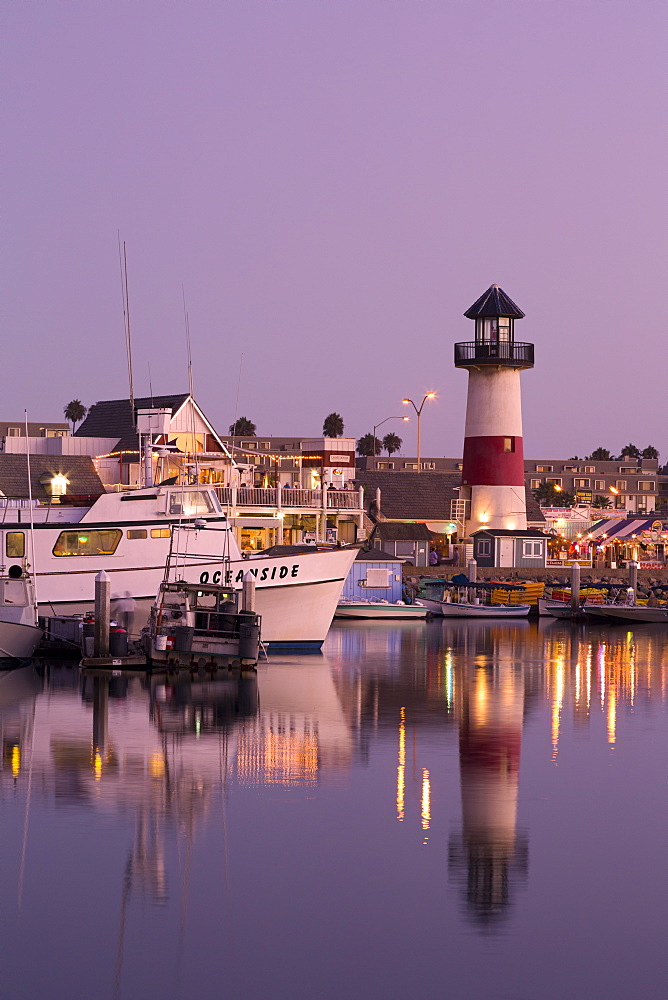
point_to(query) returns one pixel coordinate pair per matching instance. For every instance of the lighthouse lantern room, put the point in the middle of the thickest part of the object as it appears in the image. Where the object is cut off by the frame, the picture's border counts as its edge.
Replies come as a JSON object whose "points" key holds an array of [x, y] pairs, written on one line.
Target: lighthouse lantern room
{"points": [[493, 465]]}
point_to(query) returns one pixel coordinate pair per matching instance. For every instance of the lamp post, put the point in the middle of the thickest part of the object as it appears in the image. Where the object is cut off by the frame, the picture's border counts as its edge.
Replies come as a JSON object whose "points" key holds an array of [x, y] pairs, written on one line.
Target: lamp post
{"points": [[380, 425], [428, 395]]}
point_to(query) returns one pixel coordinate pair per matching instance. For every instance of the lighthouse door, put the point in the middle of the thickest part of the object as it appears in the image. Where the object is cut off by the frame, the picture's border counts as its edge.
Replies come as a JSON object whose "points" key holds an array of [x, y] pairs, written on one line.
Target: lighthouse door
{"points": [[506, 546]]}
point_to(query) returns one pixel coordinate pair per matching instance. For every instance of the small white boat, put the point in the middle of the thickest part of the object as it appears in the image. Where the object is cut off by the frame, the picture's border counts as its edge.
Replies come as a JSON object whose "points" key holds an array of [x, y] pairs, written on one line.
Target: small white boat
{"points": [[361, 608], [20, 634], [459, 599], [632, 613]]}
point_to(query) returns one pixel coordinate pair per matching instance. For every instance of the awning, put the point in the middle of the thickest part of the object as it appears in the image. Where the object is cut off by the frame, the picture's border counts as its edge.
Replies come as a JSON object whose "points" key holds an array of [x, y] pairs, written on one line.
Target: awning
{"points": [[620, 528]]}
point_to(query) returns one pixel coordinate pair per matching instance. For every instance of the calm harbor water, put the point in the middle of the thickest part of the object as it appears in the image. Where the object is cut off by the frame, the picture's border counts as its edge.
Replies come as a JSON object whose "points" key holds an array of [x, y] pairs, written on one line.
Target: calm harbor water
{"points": [[442, 810]]}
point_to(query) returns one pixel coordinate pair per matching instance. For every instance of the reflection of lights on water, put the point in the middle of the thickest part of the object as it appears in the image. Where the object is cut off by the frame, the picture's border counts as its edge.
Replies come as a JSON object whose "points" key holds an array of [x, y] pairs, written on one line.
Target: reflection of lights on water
{"points": [[156, 765], [16, 760], [97, 765], [612, 718], [481, 697], [401, 769], [449, 679], [601, 673], [557, 704], [426, 800]]}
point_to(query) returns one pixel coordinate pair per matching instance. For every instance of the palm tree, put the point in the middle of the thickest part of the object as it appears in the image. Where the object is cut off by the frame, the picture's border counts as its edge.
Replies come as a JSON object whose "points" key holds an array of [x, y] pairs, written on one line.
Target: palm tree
{"points": [[75, 411], [601, 503], [392, 443], [368, 445], [650, 452], [630, 451], [333, 425], [600, 455], [243, 427]]}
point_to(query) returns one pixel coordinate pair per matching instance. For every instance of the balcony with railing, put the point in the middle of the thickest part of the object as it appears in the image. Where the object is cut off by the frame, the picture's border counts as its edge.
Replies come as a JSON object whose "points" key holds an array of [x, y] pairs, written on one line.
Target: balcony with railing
{"points": [[281, 499], [494, 352]]}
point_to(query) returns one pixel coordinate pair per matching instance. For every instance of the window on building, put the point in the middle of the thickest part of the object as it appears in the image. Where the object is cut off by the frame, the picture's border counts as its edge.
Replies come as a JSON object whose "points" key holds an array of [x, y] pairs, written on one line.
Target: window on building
{"points": [[405, 549], [620, 484], [15, 544], [136, 533], [630, 468], [484, 547], [377, 578], [190, 502], [555, 482], [647, 486], [581, 484], [620, 503], [509, 444], [427, 465], [532, 549], [160, 532], [571, 468], [410, 465], [599, 484], [590, 468], [53, 432], [96, 542], [535, 483], [13, 432], [544, 468], [386, 465]]}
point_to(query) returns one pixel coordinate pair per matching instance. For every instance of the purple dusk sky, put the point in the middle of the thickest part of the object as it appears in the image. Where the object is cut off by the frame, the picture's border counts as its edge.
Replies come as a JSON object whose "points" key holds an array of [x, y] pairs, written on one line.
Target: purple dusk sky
{"points": [[334, 183]]}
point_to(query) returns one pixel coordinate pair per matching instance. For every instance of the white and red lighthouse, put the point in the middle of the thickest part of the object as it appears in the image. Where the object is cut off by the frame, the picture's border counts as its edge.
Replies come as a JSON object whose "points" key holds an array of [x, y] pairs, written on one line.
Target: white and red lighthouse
{"points": [[493, 466]]}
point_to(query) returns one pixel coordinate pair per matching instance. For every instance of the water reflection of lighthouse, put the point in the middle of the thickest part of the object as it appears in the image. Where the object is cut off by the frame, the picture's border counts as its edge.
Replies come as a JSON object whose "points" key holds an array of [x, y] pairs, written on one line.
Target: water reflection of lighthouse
{"points": [[489, 856]]}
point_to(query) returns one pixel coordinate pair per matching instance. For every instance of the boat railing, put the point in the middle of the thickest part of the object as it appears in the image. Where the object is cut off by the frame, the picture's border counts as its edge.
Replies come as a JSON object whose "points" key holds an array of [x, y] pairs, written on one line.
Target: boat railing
{"points": [[244, 496]]}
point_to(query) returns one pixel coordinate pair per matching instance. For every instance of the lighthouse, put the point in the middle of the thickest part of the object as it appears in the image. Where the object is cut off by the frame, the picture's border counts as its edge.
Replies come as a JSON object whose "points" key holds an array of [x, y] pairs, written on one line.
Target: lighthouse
{"points": [[493, 466]]}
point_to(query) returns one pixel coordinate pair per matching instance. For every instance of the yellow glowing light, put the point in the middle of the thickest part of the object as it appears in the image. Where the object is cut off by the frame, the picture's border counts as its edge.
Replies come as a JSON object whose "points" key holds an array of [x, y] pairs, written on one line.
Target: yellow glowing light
{"points": [[557, 489], [612, 489], [426, 800], [16, 760], [401, 769], [431, 395], [156, 765], [484, 518], [405, 400], [97, 765]]}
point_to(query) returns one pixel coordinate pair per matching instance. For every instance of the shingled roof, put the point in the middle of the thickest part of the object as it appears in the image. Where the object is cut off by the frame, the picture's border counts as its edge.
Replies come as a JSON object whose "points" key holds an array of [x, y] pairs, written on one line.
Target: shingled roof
{"points": [[423, 496], [114, 418], [494, 302], [84, 481]]}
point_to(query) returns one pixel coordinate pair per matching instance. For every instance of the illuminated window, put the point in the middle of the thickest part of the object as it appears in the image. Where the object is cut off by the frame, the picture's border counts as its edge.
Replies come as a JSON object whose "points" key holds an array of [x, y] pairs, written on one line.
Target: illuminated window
{"points": [[136, 532], [484, 547], [15, 545], [581, 484], [509, 444], [98, 541], [544, 468], [535, 483], [647, 486], [189, 503], [620, 484], [160, 532], [599, 484]]}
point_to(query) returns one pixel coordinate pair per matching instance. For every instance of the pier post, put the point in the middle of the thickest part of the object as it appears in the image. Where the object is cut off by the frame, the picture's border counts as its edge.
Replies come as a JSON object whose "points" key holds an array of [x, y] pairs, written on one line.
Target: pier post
{"points": [[472, 568], [575, 586], [102, 613], [248, 593], [633, 580]]}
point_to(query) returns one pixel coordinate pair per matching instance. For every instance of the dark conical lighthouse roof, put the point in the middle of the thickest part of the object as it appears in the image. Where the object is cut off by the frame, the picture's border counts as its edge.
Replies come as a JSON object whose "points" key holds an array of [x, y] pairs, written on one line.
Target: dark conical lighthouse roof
{"points": [[494, 302]]}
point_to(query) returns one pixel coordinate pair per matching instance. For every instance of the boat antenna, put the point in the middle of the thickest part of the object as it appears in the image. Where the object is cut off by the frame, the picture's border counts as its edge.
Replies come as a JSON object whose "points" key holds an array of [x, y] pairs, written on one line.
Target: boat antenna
{"points": [[236, 405], [123, 263], [191, 383], [32, 519]]}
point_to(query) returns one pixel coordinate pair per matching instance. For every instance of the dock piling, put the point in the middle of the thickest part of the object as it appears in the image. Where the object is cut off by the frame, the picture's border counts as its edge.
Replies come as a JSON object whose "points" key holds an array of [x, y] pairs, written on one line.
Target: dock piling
{"points": [[102, 613], [248, 593], [633, 580], [575, 586]]}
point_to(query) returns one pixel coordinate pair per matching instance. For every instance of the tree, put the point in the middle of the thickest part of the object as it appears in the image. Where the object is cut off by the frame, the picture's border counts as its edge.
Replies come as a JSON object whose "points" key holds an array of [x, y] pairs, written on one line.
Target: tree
{"points": [[333, 426], [601, 503], [600, 455], [369, 445], [392, 443], [548, 496], [243, 427], [630, 451], [650, 452], [75, 411]]}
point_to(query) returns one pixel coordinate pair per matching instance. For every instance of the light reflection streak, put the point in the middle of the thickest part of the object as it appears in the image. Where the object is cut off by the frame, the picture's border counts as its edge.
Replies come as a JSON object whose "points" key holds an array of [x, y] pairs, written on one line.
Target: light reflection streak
{"points": [[401, 769], [426, 800]]}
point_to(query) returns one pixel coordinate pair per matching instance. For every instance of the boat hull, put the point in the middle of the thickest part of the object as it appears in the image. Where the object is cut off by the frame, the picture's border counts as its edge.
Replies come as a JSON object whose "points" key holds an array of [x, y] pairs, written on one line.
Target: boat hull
{"points": [[392, 612], [632, 614], [453, 609], [18, 641]]}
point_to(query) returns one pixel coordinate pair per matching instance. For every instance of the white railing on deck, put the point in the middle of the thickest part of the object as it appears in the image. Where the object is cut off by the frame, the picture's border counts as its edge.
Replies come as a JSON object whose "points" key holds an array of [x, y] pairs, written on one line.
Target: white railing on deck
{"points": [[281, 498]]}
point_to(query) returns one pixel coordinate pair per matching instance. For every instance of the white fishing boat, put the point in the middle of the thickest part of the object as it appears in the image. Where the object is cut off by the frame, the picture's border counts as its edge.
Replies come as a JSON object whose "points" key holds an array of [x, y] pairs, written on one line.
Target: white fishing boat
{"points": [[20, 634], [127, 534], [450, 599], [377, 608]]}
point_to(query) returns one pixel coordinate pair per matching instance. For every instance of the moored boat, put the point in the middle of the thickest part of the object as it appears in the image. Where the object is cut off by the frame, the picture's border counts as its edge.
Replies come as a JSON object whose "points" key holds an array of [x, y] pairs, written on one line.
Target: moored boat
{"points": [[20, 634], [459, 599], [359, 608]]}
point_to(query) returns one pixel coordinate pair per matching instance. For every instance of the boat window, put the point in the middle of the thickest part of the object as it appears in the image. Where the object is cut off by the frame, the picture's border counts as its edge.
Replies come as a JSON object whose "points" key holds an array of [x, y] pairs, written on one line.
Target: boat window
{"points": [[160, 532], [15, 545], [190, 502], [136, 533], [99, 541]]}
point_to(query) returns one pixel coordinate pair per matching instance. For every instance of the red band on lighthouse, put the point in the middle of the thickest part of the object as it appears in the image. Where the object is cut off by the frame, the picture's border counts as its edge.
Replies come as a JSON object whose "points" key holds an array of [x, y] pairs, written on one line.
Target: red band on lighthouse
{"points": [[493, 461]]}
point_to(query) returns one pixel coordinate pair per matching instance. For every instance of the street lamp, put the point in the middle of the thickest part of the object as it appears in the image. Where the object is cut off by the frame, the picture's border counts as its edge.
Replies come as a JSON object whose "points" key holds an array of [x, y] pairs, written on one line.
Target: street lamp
{"points": [[380, 425], [429, 395]]}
